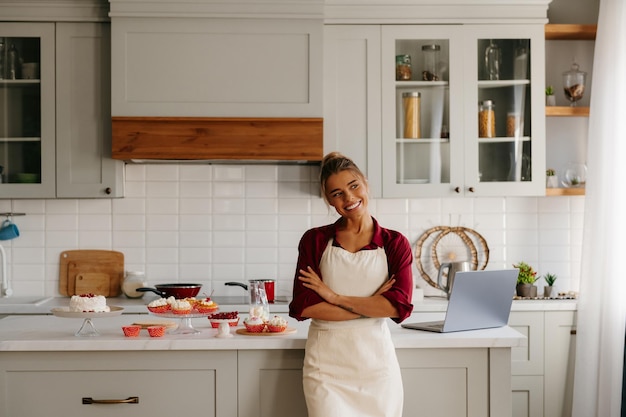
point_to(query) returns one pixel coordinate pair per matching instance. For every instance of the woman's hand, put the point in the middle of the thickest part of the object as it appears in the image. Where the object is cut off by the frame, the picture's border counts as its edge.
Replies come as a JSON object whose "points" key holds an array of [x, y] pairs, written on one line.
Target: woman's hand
{"points": [[386, 286], [311, 280]]}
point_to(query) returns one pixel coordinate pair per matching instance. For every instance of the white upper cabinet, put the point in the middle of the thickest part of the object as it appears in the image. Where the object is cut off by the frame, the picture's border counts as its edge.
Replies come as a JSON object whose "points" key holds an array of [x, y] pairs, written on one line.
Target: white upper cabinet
{"points": [[83, 113], [437, 140], [416, 134], [55, 134], [254, 61], [27, 110]]}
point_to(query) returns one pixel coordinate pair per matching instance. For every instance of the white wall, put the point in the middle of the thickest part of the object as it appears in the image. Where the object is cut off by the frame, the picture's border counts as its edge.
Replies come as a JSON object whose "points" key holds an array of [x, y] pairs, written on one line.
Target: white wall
{"points": [[211, 224]]}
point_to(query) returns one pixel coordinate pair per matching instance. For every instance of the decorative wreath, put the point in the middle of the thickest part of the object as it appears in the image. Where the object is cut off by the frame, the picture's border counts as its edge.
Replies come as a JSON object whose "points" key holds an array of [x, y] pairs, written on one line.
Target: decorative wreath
{"points": [[442, 244]]}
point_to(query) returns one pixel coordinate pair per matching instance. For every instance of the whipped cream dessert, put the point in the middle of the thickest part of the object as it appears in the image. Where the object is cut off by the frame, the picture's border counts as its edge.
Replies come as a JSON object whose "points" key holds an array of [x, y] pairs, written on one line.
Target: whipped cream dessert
{"points": [[89, 303]]}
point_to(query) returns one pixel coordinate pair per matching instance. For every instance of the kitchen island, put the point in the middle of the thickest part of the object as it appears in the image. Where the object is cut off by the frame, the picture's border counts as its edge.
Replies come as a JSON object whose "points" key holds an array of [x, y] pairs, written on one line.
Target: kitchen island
{"points": [[464, 373]]}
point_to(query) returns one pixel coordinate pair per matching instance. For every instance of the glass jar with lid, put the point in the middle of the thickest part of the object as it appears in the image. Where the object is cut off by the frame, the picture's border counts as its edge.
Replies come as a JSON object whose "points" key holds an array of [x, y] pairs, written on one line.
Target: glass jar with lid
{"points": [[574, 84], [431, 63], [487, 119], [404, 71]]}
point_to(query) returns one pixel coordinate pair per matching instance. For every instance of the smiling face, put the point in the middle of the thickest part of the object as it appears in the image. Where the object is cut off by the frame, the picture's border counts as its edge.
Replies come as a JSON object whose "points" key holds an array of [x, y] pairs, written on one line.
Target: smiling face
{"points": [[347, 192]]}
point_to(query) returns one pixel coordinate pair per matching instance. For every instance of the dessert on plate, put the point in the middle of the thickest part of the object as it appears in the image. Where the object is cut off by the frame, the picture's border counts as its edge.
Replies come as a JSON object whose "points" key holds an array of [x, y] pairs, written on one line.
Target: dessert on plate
{"points": [[206, 305], [277, 324], [160, 305], [181, 307], [89, 303], [254, 324], [231, 317]]}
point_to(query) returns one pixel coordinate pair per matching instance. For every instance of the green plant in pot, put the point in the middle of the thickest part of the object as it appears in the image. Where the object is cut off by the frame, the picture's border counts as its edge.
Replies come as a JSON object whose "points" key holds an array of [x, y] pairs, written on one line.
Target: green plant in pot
{"points": [[550, 279], [526, 279], [550, 97]]}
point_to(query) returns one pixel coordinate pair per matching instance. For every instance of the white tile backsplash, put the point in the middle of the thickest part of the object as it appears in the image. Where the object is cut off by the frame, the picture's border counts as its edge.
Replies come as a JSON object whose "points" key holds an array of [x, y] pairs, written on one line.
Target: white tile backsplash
{"points": [[210, 224]]}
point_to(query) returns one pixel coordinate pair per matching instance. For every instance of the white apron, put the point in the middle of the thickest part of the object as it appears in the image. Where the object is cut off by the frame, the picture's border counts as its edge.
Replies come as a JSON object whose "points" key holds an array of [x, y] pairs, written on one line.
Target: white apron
{"points": [[350, 367]]}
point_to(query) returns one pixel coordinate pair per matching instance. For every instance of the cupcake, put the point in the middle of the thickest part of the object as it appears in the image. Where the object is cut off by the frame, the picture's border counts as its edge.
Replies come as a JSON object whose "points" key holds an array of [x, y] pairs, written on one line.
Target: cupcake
{"points": [[131, 331], [192, 300], [159, 306], [181, 307], [206, 306], [277, 324], [156, 331], [254, 324]]}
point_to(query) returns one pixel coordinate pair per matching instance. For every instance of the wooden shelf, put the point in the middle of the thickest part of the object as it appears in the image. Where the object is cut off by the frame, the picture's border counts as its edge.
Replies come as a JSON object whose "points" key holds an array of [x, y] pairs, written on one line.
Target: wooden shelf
{"points": [[566, 111], [570, 32], [564, 191]]}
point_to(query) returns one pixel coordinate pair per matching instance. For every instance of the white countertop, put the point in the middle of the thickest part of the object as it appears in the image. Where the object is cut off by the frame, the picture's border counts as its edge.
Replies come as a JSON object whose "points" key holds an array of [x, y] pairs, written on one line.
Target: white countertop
{"points": [[51, 333], [43, 305]]}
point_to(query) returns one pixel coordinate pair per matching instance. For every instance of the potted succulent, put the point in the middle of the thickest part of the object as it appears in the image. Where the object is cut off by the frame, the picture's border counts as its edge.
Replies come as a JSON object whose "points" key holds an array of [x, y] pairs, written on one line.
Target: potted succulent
{"points": [[552, 181], [526, 279], [550, 97], [547, 290]]}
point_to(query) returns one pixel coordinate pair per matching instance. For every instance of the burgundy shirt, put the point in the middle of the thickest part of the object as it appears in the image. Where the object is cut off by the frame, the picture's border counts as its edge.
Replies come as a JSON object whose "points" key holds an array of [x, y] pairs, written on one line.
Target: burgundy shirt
{"points": [[399, 261]]}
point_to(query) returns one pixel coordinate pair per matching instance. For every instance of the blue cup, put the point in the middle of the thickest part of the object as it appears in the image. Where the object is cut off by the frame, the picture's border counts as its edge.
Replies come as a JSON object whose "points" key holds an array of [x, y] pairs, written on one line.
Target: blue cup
{"points": [[8, 230]]}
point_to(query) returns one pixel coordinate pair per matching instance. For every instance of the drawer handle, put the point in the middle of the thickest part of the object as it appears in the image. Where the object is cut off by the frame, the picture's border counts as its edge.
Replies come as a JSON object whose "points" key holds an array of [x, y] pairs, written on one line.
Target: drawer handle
{"points": [[129, 400]]}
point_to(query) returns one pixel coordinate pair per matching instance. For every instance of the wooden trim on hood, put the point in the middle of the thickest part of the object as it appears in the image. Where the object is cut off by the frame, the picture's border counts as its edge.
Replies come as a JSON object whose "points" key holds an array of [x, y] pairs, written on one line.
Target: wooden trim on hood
{"points": [[207, 138]]}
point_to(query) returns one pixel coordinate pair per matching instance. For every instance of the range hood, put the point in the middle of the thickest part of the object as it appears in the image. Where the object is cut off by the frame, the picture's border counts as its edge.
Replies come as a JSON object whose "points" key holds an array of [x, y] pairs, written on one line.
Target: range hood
{"points": [[217, 140]]}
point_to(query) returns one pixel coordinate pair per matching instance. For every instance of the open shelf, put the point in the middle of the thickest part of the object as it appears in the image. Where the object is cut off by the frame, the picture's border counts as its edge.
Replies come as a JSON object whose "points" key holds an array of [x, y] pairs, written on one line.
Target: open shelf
{"points": [[567, 111], [570, 32], [564, 191]]}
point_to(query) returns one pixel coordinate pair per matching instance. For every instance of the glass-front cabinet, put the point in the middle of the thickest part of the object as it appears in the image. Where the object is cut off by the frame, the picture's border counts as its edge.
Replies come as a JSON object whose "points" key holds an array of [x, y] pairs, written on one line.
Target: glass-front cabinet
{"points": [[462, 110], [27, 109]]}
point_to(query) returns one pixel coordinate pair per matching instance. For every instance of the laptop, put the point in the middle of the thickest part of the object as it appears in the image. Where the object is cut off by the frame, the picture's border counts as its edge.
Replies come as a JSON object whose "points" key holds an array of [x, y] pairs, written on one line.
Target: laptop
{"points": [[479, 300]]}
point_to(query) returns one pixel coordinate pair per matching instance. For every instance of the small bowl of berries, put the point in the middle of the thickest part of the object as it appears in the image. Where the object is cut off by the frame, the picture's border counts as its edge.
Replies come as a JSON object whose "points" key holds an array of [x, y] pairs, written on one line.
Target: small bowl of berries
{"points": [[223, 322]]}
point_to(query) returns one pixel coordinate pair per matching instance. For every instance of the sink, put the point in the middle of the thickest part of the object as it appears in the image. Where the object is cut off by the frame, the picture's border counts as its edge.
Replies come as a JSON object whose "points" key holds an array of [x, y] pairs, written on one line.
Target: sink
{"points": [[26, 301]]}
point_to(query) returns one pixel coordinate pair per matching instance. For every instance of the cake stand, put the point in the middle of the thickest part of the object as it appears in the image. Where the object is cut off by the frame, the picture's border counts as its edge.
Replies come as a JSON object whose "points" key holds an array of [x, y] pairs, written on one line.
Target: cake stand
{"points": [[87, 329], [184, 326], [223, 326]]}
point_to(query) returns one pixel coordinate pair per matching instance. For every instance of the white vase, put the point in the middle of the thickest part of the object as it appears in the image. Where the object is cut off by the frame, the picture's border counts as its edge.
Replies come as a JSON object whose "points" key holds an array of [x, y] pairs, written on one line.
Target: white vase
{"points": [[551, 100]]}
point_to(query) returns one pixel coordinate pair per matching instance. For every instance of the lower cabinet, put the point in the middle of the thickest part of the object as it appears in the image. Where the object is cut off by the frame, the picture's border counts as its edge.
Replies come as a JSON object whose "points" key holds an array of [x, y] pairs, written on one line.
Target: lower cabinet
{"points": [[94, 384], [543, 371], [437, 382]]}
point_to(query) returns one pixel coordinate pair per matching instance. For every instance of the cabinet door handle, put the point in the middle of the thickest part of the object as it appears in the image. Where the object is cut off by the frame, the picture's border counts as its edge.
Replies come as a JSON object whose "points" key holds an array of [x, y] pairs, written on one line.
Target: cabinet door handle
{"points": [[129, 400], [108, 190], [457, 190], [470, 189]]}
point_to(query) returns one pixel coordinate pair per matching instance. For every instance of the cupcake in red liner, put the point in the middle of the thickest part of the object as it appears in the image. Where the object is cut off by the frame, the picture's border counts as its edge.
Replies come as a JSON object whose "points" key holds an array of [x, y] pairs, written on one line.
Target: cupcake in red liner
{"points": [[232, 317], [156, 331], [254, 324], [131, 331], [181, 307], [159, 306], [206, 306], [277, 324]]}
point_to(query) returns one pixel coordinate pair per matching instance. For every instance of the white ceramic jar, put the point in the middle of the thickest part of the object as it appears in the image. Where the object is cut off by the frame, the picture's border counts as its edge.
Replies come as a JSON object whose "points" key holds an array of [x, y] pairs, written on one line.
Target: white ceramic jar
{"points": [[132, 281]]}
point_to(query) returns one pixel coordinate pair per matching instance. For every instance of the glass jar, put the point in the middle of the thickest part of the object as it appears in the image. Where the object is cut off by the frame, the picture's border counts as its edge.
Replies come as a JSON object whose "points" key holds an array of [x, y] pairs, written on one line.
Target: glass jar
{"points": [[574, 84], [493, 60], [514, 125], [487, 119], [404, 71], [132, 281], [259, 306], [411, 103], [431, 63]]}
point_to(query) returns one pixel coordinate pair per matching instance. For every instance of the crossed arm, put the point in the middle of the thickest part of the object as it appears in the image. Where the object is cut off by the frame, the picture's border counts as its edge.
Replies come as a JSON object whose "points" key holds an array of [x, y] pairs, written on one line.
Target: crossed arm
{"points": [[336, 307]]}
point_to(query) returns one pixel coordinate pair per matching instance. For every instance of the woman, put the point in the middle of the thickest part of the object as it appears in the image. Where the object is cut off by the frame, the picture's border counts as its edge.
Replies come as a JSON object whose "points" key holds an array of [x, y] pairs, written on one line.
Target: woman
{"points": [[351, 276]]}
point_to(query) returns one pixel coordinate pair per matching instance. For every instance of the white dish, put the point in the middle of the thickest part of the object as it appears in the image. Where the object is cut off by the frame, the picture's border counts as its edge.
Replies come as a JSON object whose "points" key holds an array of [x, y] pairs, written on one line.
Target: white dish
{"points": [[65, 312]]}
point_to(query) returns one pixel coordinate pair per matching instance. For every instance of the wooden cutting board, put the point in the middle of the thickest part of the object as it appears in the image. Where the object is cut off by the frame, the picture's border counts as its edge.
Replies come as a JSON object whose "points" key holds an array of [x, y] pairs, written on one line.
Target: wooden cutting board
{"points": [[91, 271]]}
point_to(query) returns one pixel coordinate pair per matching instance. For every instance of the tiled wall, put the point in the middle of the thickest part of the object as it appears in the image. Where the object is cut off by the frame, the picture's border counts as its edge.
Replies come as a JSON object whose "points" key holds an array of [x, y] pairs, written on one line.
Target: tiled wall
{"points": [[211, 224]]}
